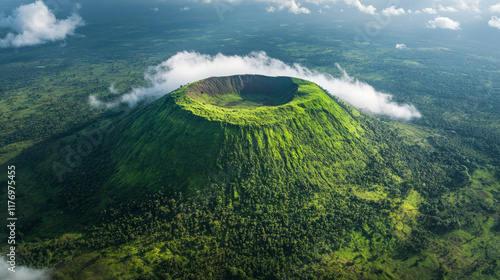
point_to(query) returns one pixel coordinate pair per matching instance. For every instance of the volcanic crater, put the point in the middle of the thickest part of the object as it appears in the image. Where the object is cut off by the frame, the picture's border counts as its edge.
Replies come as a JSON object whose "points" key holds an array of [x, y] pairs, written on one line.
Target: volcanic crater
{"points": [[243, 91]]}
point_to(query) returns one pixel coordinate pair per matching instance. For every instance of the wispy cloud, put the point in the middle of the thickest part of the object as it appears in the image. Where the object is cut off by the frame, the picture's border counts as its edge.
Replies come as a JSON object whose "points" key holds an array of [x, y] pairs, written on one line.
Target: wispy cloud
{"points": [[112, 89], [270, 9], [35, 24], [443, 23], [467, 5], [186, 67], [400, 46]]}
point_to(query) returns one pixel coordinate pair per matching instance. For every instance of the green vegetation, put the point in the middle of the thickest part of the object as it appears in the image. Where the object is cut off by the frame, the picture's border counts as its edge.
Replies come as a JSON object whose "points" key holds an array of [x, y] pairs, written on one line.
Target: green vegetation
{"points": [[308, 188], [303, 188]]}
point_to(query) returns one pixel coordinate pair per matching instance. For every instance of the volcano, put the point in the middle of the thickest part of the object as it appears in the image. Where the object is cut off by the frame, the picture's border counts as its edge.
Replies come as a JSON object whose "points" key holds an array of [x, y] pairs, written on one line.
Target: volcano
{"points": [[240, 177], [258, 127]]}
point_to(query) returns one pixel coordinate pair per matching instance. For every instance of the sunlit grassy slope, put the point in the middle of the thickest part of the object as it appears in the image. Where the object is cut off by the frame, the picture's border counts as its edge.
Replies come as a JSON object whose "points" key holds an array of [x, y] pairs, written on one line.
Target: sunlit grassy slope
{"points": [[180, 141]]}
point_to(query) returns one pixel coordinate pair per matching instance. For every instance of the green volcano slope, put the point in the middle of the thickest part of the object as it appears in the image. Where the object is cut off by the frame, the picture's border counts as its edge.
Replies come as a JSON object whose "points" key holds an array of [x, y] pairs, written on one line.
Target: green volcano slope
{"points": [[254, 177], [183, 140]]}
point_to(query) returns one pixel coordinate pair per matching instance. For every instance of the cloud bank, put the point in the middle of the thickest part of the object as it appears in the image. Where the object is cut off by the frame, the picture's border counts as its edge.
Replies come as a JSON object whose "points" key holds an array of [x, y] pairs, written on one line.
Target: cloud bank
{"points": [[22, 272], [187, 67], [443, 23], [35, 24], [296, 7]]}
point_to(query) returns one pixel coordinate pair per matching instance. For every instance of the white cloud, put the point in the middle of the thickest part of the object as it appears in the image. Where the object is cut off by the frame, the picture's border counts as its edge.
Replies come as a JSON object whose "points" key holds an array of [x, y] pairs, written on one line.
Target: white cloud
{"points": [[443, 23], [363, 8], [495, 8], [22, 272], [155, 9], [187, 67], [35, 24], [270, 9], [185, 8], [494, 22], [430, 11], [447, 9], [392, 11], [294, 8], [400, 46]]}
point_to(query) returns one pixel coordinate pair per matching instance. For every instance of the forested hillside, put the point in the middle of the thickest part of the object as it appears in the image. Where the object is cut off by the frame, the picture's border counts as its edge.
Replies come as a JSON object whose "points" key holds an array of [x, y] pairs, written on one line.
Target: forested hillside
{"points": [[190, 187]]}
